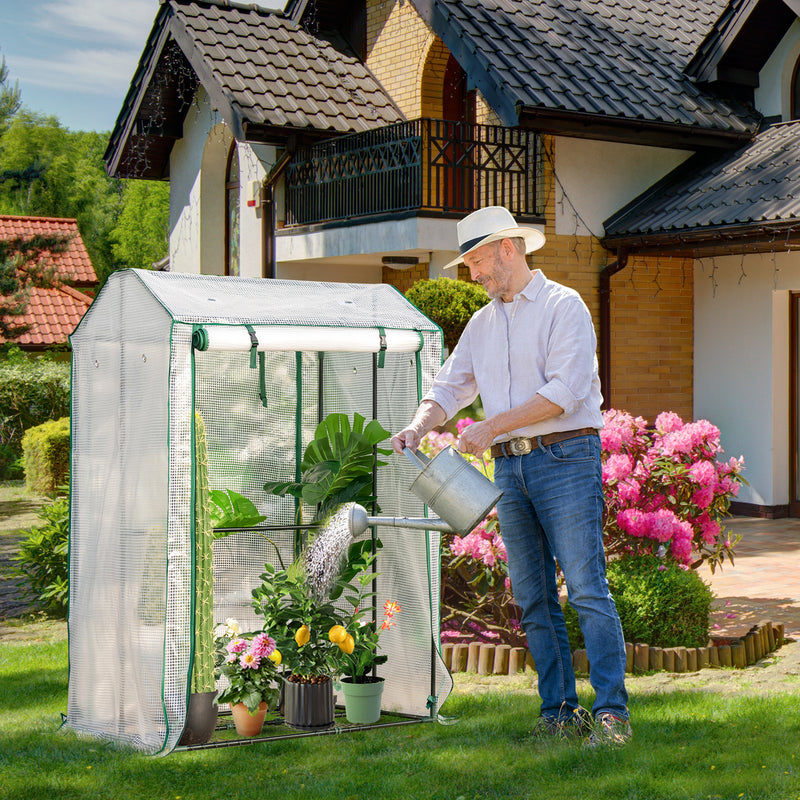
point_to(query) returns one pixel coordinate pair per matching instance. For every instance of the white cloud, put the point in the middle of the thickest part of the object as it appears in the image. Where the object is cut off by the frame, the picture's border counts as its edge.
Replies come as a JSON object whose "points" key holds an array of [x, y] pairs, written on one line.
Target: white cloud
{"points": [[86, 70], [124, 22]]}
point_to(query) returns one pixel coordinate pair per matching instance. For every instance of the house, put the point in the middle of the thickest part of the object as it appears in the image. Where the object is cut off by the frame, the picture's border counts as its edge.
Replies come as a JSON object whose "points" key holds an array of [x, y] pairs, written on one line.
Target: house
{"points": [[655, 143], [51, 314]]}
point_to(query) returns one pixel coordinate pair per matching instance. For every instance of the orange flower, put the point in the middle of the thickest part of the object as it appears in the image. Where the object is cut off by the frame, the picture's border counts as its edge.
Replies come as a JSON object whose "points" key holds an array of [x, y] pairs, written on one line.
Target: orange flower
{"points": [[390, 608]]}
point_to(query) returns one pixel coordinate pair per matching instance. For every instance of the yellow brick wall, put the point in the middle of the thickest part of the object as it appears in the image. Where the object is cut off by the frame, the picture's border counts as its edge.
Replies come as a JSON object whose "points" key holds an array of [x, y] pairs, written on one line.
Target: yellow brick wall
{"points": [[398, 42], [652, 337], [404, 279]]}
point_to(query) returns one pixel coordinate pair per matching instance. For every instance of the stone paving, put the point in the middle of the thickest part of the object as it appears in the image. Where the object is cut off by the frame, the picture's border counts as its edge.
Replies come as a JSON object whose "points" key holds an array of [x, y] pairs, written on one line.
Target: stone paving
{"points": [[763, 583]]}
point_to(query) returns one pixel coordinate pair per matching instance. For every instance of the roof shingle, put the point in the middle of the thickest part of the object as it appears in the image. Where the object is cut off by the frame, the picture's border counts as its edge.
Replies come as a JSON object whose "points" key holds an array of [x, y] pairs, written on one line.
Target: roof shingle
{"points": [[636, 43]]}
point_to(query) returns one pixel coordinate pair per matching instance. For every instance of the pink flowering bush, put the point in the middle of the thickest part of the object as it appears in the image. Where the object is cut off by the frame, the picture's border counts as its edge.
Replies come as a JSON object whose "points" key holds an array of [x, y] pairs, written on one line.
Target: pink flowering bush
{"points": [[476, 589], [666, 493]]}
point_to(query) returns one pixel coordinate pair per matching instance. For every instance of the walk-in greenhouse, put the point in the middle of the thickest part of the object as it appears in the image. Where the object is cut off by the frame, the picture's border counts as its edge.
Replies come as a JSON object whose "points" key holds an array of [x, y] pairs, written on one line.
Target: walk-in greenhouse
{"points": [[260, 363]]}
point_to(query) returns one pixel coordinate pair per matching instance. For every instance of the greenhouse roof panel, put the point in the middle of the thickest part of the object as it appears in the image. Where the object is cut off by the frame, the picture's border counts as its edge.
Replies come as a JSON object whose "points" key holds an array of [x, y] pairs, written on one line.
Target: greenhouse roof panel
{"points": [[210, 299]]}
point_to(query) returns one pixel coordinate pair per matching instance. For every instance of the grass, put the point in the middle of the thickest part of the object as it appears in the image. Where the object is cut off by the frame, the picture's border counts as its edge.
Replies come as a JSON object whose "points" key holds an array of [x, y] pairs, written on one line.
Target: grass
{"points": [[687, 744]]}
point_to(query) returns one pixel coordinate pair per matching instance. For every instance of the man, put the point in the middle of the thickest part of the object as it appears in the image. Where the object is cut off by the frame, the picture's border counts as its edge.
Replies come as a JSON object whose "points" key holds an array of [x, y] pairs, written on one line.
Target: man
{"points": [[530, 354]]}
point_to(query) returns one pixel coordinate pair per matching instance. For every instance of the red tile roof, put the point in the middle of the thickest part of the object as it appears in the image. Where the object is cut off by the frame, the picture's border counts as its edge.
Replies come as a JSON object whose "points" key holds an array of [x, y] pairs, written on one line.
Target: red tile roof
{"points": [[53, 313], [74, 265]]}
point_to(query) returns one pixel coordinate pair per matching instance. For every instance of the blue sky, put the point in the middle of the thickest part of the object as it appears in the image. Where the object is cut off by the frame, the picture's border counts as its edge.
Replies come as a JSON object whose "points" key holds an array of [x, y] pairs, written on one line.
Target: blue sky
{"points": [[75, 58]]}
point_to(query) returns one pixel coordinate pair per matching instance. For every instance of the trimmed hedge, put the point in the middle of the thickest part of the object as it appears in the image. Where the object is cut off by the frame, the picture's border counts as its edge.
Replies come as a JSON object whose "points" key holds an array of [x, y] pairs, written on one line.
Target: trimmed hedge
{"points": [[659, 603], [449, 303], [32, 391], [46, 456]]}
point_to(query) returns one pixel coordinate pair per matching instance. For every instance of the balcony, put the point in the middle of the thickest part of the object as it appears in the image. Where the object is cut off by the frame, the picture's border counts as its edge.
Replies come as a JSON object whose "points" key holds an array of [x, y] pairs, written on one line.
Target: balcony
{"points": [[433, 167]]}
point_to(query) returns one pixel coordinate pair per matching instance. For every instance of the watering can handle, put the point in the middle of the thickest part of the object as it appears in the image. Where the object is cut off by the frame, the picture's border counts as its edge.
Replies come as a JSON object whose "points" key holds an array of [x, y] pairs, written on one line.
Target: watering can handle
{"points": [[419, 460]]}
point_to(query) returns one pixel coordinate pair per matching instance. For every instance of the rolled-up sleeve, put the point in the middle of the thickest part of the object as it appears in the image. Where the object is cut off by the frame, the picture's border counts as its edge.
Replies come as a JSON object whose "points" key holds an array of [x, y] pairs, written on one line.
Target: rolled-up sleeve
{"points": [[570, 365]]}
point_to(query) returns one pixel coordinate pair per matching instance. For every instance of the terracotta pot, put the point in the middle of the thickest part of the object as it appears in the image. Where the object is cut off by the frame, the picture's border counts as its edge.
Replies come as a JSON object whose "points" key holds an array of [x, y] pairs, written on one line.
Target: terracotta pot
{"points": [[248, 724], [308, 706]]}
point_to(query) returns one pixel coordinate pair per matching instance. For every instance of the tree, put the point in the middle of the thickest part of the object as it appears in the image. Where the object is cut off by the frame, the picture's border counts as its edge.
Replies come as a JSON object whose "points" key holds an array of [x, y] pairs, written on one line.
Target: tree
{"points": [[141, 235], [47, 170], [9, 97], [24, 264]]}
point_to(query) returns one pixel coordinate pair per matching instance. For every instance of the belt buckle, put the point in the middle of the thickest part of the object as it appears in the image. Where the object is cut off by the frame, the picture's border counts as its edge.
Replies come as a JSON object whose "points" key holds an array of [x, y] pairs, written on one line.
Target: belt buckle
{"points": [[519, 447]]}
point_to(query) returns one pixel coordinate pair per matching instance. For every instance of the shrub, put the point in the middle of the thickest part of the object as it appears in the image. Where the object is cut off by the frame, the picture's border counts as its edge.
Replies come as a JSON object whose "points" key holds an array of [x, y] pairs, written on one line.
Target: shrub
{"points": [[449, 303], [659, 602], [32, 391], [45, 456], [43, 559]]}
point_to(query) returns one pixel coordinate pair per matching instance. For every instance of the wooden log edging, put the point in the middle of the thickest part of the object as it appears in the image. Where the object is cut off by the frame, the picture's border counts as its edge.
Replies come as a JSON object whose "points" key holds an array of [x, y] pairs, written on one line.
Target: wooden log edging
{"points": [[738, 652]]}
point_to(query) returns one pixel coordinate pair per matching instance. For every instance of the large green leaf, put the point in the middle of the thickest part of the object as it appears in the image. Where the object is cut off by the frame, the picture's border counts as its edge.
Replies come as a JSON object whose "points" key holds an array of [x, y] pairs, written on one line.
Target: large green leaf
{"points": [[229, 509], [337, 464]]}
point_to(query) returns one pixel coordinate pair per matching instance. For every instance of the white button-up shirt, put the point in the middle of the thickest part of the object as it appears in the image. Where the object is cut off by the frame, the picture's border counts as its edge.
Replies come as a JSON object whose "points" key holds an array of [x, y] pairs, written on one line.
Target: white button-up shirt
{"points": [[543, 344]]}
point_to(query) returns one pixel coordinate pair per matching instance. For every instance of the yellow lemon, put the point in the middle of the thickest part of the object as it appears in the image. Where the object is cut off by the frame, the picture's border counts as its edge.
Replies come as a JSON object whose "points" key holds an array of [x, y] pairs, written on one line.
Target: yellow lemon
{"points": [[275, 657], [347, 644], [302, 636], [337, 634]]}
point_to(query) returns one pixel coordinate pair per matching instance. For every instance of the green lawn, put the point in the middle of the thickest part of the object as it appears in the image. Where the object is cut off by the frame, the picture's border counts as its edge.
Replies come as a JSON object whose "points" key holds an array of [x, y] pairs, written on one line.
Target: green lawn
{"points": [[688, 743]]}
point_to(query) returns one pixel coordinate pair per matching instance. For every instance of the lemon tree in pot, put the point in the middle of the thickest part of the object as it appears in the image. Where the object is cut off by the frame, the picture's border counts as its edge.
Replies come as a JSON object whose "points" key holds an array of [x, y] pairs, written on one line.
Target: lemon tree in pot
{"points": [[358, 640]]}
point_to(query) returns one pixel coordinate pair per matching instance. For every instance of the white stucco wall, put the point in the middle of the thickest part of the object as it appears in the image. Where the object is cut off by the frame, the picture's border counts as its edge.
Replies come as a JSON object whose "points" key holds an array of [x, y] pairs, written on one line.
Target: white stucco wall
{"points": [[197, 195], [772, 97], [184, 187], [601, 177], [741, 363]]}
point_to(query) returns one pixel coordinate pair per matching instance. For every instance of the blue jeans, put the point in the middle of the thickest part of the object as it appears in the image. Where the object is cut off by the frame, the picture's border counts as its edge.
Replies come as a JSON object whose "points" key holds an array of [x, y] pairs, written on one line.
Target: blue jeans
{"points": [[552, 508]]}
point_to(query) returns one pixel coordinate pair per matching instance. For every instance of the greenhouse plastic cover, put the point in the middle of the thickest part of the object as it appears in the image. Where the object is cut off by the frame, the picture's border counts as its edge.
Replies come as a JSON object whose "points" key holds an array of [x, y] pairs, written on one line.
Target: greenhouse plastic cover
{"points": [[137, 379]]}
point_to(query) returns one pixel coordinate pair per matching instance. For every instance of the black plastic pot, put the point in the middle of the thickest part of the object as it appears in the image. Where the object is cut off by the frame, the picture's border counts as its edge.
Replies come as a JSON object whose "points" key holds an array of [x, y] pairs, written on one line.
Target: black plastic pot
{"points": [[308, 706], [201, 718]]}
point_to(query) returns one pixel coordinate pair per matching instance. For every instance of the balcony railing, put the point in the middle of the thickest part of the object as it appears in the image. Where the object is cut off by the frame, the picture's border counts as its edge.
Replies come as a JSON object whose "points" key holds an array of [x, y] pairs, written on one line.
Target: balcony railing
{"points": [[426, 164]]}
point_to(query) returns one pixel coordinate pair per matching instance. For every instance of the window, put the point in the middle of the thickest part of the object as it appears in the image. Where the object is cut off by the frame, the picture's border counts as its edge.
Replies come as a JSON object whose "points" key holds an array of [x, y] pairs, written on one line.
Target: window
{"points": [[232, 213]]}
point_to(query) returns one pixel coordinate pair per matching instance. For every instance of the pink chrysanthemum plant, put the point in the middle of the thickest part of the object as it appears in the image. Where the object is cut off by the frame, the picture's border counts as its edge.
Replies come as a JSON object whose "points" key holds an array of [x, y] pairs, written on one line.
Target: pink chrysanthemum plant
{"points": [[249, 662], [666, 492]]}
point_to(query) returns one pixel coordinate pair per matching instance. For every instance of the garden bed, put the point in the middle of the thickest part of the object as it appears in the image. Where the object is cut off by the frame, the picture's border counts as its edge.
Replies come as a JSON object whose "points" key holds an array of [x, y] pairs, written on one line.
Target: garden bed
{"points": [[486, 658]]}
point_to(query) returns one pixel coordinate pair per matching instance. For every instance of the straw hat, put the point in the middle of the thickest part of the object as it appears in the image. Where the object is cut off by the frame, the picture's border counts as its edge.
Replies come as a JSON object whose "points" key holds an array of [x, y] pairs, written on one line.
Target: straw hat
{"points": [[491, 224]]}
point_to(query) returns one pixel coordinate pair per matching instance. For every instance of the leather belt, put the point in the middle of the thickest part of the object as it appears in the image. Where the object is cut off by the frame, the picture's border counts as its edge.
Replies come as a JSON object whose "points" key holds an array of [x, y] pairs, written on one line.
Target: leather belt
{"points": [[523, 445]]}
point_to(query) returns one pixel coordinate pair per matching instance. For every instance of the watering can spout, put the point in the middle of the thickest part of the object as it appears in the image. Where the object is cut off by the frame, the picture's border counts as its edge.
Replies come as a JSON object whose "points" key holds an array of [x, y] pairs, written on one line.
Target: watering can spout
{"points": [[359, 521]]}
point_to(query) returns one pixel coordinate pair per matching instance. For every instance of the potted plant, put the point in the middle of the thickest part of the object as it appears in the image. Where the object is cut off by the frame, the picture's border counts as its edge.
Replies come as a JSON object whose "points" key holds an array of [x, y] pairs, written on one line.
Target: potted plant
{"points": [[359, 640], [298, 622], [201, 712], [250, 664]]}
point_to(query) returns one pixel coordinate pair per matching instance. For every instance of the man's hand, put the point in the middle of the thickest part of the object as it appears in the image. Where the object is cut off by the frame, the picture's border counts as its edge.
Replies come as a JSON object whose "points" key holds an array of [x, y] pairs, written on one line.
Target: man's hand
{"points": [[477, 438], [408, 437], [428, 416]]}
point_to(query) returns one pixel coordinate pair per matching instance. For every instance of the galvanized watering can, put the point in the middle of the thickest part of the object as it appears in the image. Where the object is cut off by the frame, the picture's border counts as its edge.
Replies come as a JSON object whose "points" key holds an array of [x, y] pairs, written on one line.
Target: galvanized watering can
{"points": [[453, 488], [448, 484]]}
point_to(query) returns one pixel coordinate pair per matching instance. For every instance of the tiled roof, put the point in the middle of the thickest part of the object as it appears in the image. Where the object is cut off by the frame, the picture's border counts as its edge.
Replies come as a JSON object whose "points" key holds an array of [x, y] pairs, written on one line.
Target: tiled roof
{"points": [[266, 76], [53, 313], [277, 74], [73, 265], [756, 184], [608, 58]]}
